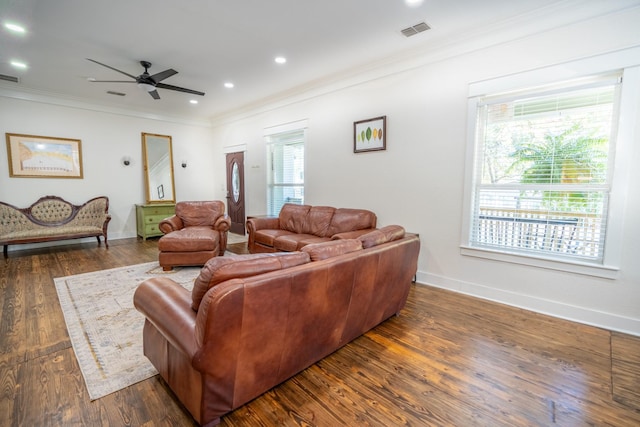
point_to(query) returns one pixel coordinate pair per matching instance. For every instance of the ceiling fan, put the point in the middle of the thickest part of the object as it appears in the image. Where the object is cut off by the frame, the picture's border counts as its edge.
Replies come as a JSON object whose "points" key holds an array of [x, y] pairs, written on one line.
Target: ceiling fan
{"points": [[146, 81]]}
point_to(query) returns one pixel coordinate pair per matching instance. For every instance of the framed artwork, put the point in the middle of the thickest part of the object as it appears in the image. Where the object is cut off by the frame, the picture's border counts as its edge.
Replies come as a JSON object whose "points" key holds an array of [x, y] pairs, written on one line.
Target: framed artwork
{"points": [[370, 135], [32, 156]]}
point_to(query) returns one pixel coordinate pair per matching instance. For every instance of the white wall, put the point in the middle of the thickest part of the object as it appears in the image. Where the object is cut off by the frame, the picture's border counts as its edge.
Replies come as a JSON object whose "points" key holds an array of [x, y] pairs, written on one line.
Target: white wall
{"points": [[418, 181], [106, 138]]}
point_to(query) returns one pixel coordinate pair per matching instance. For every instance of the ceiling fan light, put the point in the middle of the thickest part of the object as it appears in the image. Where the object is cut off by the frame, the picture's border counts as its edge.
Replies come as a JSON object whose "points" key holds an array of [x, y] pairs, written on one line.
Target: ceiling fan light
{"points": [[147, 87]]}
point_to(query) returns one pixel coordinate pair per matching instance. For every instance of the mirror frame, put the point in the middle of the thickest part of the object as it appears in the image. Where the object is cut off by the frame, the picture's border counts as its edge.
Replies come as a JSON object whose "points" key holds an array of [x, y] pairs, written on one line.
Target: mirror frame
{"points": [[148, 140]]}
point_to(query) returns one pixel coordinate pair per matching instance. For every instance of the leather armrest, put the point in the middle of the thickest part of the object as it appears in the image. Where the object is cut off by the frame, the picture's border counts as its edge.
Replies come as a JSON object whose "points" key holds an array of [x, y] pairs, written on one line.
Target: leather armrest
{"points": [[263, 223], [351, 234], [170, 224], [167, 305], [223, 223]]}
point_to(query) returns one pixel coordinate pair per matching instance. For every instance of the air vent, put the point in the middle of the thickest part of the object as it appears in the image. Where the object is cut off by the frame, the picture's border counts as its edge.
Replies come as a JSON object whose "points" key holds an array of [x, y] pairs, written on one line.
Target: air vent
{"points": [[413, 30], [9, 78], [113, 92]]}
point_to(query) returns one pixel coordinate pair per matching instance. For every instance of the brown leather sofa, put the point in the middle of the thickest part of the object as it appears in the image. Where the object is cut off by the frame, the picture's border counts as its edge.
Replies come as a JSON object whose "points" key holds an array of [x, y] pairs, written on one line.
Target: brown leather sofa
{"points": [[245, 327], [195, 234], [300, 225]]}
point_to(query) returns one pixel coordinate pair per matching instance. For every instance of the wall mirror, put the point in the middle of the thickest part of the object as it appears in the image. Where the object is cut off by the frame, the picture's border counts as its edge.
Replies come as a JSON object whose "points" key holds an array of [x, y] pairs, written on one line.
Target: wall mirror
{"points": [[158, 168]]}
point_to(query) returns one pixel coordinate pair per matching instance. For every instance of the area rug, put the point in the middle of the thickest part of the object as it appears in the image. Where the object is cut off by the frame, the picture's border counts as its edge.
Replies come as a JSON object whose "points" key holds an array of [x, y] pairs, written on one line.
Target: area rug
{"points": [[104, 327]]}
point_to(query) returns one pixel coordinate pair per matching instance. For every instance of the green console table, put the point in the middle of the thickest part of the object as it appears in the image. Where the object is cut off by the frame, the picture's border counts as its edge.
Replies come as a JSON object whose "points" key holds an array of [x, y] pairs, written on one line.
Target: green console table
{"points": [[148, 218]]}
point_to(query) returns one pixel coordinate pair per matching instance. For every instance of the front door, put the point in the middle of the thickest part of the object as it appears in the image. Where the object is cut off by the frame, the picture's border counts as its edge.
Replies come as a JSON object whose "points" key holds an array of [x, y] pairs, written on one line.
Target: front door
{"points": [[235, 191]]}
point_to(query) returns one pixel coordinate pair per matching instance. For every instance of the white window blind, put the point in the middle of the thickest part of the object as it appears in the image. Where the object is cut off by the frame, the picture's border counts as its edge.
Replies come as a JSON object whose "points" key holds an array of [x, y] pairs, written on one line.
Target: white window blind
{"points": [[285, 156], [543, 168]]}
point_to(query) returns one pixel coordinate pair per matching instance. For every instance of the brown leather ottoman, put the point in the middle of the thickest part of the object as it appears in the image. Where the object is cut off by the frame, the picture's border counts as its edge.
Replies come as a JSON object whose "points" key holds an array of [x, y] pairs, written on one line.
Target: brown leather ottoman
{"points": [[188, 246]]}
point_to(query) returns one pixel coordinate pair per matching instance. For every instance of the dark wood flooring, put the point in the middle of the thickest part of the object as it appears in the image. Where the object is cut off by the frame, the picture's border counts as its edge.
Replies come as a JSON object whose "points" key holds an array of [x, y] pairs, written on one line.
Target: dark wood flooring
{"points": [[447, 360]]}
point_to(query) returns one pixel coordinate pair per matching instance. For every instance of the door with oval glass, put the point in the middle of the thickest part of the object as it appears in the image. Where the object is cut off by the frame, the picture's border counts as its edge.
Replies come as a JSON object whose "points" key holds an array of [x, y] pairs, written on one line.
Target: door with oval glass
{"points": [[235, 191]]}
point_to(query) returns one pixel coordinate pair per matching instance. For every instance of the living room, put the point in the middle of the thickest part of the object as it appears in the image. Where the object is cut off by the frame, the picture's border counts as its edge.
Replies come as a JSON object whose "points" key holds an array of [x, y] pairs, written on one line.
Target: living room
{"points": [[418, 181]]}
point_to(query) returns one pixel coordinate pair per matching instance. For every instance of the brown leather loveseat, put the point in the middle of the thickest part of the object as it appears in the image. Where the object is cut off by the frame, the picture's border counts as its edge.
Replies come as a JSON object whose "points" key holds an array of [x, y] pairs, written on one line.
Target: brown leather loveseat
{"points": [[300, 225], [245, 327]]}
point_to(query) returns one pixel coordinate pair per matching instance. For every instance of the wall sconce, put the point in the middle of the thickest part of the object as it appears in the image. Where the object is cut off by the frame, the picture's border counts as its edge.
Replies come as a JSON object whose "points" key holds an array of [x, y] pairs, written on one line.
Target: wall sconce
{"points": [[126, 160], [184, 164]]}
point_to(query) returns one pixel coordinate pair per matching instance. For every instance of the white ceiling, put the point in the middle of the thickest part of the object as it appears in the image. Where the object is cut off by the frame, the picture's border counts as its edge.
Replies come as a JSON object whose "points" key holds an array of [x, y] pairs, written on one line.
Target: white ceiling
{"points": [[210, 42]]}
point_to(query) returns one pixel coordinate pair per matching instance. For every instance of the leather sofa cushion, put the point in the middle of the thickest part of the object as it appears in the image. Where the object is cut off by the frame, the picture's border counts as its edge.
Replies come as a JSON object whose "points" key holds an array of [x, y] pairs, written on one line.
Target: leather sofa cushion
{"points": [[294, 242], [350, 220], [293, 217], [268, 237], [192, 239], [220, 269], [199, 213], [382, 235], [320, 251]]}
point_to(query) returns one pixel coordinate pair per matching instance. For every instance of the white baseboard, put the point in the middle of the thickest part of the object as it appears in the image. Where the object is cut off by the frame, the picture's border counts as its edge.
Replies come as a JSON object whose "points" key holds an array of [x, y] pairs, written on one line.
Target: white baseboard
{"points": [[561, 310]]}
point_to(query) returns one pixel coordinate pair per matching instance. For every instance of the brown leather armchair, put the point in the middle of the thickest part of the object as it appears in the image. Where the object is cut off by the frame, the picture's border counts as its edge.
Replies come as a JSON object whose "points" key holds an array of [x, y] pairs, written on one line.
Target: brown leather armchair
{"points": [[195, 234]]}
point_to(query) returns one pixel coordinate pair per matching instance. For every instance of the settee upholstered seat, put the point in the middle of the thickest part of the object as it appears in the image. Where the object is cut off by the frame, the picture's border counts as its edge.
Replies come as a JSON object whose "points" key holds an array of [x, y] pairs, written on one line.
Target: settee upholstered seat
{"points": [[299, 225], [195, 234]]}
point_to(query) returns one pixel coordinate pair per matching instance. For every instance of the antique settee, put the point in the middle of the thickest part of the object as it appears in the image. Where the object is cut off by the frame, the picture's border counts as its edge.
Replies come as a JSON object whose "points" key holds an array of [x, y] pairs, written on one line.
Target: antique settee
{"points": [[253, 321], [53, 218], [195, 234], [300, 225]]}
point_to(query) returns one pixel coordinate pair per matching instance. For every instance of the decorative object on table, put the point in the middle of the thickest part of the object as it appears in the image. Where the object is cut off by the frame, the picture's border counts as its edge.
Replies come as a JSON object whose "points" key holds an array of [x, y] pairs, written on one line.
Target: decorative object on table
{"points": [[370, 134], [33, 156]]}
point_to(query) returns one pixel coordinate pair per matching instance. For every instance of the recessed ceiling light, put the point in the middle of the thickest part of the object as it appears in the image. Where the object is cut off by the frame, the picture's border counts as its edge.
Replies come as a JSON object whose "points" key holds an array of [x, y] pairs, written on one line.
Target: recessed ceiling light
{"points": [[280, 59], [193, 101], [229, 85], [18, 64], [14, 27], [413, 3]]}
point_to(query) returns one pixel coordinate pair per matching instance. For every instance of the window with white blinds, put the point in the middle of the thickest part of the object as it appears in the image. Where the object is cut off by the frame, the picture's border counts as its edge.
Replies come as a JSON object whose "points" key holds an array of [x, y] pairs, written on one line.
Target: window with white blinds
{"points": [[542, 170], [285, 160]]}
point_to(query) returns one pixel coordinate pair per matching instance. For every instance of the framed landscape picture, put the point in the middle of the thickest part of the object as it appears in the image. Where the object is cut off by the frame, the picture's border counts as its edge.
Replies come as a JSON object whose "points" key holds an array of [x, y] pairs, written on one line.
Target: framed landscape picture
{"points": [[370, 135], [33, 156]]}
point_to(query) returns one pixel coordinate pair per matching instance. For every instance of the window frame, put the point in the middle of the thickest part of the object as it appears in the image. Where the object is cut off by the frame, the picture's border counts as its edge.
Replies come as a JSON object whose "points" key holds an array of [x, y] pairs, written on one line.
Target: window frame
{"points": [[625, 61], [269, 135]]}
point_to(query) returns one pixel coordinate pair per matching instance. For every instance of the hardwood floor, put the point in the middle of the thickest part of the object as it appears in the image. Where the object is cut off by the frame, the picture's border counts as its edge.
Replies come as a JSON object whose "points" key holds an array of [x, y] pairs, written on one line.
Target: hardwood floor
{"points": [[447, 360]]}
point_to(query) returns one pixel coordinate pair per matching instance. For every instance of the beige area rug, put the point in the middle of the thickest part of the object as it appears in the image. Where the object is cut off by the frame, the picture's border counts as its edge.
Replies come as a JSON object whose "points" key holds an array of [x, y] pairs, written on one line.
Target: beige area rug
{"points": [[105, 328]]}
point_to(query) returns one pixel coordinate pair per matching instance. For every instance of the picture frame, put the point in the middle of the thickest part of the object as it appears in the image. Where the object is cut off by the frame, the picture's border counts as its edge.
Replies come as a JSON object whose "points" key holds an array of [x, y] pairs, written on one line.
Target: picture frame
{"points": [[370, 134], [34, 156]]}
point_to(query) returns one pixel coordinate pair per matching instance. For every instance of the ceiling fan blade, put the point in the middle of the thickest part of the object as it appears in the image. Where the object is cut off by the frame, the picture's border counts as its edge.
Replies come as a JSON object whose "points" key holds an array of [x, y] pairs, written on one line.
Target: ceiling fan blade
{"points": [[179, 89], [154, 94], [111, 68], [111, 81], [163, 75]]}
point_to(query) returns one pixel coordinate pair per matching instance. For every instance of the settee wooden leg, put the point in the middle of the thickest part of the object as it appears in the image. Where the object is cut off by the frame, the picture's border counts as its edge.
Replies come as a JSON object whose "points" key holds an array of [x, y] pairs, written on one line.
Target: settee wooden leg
{"points": [[4, 250]]}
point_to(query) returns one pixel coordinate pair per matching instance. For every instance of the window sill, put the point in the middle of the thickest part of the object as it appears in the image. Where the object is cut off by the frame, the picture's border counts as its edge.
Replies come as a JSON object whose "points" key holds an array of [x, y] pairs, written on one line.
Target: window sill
{"points": [[604, 271]]}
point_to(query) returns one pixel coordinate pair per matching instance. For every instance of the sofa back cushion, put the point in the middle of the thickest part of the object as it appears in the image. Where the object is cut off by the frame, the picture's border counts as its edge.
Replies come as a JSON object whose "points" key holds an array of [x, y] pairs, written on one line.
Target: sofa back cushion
{"points": [[344, 220], [382, 235], [199, 213], [220, 269], [332, 248], [293, 217]]}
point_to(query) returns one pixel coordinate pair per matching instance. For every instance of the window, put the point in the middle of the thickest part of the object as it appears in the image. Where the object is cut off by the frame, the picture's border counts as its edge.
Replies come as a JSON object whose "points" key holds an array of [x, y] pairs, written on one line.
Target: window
{"points": [[285, 160], [547, 166], [542, 176]]}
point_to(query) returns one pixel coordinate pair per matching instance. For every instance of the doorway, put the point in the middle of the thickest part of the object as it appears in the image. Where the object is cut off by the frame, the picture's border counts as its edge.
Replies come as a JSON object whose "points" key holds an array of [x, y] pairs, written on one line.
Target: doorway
{"points": [[235, 192]]}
